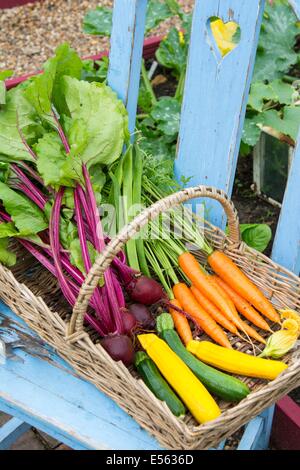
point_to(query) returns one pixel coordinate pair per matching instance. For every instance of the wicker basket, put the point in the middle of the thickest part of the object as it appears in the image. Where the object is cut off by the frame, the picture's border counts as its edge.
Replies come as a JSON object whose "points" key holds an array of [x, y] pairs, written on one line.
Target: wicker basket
{"points": [[35, 296]]}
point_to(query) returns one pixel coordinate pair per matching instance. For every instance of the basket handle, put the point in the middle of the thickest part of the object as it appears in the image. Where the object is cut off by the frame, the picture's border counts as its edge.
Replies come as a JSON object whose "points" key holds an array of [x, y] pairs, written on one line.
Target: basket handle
{"points": [[75, 327]]}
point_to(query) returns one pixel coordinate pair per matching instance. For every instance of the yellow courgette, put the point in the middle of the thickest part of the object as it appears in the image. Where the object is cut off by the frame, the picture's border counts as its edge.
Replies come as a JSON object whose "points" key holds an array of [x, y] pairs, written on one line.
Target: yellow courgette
{"points": [[195, 396], [236, 361]]}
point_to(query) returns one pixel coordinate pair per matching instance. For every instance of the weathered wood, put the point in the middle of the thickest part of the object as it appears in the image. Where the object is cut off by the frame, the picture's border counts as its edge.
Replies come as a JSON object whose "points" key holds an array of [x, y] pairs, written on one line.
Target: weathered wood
{"points": [[11, 431], [252, 434], [296, 6], [257, 432], [215, 97], [126, 47], [286, 246], [48, 395]]}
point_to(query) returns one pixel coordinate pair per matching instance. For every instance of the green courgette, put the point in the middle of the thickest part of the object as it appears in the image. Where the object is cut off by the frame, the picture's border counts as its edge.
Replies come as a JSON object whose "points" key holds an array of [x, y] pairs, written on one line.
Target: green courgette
{"points": [[157, 384], [222, 385]]}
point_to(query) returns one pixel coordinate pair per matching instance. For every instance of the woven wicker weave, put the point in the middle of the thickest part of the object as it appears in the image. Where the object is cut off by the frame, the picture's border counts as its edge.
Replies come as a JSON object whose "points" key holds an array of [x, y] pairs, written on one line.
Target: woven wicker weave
{"points": [[35, 296]]}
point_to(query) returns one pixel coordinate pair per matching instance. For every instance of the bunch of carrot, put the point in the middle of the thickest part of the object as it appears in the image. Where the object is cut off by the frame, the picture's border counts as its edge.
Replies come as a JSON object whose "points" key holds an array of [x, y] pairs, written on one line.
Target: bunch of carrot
{"points": [[215, 302]]}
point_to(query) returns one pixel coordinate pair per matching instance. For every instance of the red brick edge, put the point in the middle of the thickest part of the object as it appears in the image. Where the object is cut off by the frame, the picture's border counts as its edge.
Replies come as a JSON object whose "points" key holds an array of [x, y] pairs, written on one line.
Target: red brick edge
{"points": [[14, 3]]}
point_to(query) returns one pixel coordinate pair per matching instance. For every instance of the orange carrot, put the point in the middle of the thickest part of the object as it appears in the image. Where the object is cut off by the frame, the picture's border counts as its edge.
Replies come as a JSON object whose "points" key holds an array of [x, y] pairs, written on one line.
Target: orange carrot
{"points": [[243, 326], [243, 307], [181, 323], [185, 297], [235, 278], [213, 311], [251, 332], [205, 284]]}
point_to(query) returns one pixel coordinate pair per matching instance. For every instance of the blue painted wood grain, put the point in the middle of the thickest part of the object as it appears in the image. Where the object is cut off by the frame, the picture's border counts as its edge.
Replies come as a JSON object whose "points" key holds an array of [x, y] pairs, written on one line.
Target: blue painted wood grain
{"points": [[251, 434], [263, 441], [51, 397], [126, 49], [296, 6], [215, 97], [11, 431], [286, 246]]}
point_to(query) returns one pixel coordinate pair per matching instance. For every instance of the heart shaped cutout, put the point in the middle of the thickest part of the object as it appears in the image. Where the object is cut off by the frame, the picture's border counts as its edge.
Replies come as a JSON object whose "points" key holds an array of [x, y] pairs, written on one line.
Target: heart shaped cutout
{"points": [[223, 37]]}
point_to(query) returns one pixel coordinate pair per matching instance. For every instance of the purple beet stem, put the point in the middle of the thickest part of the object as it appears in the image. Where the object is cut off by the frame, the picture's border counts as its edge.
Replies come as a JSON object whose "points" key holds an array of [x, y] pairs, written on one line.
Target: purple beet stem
{"points": [[75, 288], [101, 313], [115, 294], [106, 300], [96, 229]]}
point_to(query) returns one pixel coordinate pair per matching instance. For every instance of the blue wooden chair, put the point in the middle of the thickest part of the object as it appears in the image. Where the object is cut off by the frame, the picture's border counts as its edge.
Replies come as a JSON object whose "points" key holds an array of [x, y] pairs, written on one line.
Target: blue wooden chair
{"points": [[38, 388]]}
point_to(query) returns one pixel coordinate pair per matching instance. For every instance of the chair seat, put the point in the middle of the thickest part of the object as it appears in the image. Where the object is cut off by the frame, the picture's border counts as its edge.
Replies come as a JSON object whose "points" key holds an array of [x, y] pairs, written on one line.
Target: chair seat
{"points": [[47, 394]]}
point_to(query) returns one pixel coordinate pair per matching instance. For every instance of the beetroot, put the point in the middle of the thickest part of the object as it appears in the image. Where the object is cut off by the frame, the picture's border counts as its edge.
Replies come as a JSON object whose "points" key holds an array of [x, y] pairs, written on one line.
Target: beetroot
{"points": [[129, 322], [145, 290], [119, 347], [142, 315]]}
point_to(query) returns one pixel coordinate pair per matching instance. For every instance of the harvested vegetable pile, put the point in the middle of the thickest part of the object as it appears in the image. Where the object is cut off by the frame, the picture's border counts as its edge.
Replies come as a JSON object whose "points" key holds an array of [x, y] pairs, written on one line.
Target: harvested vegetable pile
{"points": [[62, 141]]}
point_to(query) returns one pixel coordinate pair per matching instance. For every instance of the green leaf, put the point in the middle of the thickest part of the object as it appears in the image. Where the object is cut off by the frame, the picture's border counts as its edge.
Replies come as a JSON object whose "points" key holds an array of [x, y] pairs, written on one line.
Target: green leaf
{"points": [[45, 89], [259, 93], [67, 232], [283, 91], [187, 19], [8, 258], [28, 218], [76, 254], [245, 149], [251, 131], [145, 99], [98, 177], [8, 229], [98, 127], [276, 91], [157, 12], [292, 121], [167, 114], [17, 117], [4, 171], [4, 74], [55, 167], [174, 7], [257, 236], [95, 71], [172, 52], [2, 92], [287, 124], [275, 53], [158, 161], [98, 21]]}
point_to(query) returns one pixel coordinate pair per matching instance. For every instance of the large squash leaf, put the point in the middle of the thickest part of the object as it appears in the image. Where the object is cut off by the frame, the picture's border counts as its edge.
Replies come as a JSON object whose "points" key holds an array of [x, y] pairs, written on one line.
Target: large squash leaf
{"points": [[275, 53]]}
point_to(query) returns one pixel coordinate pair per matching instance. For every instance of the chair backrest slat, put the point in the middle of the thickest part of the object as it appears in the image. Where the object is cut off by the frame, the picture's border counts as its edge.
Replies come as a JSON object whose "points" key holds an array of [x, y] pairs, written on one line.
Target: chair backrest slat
{"points": [[215, 97], [286, 246], [296, 6], [214, 103], [126, 49]]}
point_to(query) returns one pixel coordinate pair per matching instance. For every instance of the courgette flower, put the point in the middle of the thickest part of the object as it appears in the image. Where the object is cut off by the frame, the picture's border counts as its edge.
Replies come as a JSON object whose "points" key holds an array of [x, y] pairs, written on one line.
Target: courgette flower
{"points": [[181, 38], [223, 34], [282, 341]]}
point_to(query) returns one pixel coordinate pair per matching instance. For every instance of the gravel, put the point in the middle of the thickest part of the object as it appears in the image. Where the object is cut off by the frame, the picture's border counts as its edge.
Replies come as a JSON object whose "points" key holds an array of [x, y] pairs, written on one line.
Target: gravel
{"points": [[30, 33]]}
